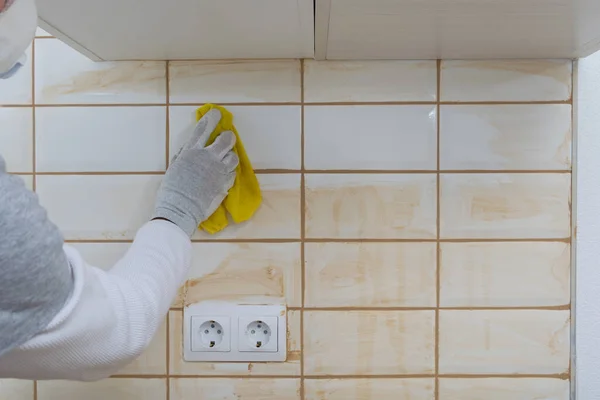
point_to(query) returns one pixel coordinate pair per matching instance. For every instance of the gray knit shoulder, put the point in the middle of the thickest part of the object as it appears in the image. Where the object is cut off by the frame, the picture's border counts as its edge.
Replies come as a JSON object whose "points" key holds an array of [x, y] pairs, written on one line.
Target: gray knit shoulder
{"points": [[35, 276]]}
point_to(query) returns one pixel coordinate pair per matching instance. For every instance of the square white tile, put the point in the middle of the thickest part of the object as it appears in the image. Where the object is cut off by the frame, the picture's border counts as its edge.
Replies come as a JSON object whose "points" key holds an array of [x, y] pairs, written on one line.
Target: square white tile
{"points": [[370, 137], [370, 388], [369, 342], [16, 138], [14, 389], [28, 180], [509, 137], [249, 273], [234, 81], [370, 274], [114, 389], [235, 389], [98, 206], [277, 218], [64, 76], [500, 206], [512, 342], [504, 389], [366, 206], [100, 139], [270, 134], [506, 80], [18, 89], [505, 274], [361, 81]]}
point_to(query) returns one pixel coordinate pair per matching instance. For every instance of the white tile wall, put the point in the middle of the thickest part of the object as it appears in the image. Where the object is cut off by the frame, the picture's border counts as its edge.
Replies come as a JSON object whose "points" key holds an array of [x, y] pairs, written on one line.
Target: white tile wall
{"points": [[101, 139], [16, 143], [397, 229], [370, 137], [364, 81], [506, 80], [504, 342], [361, 206], [506, 137], [98, 206], [234, 81], [271, 134], [277, 218], [64, 76]]}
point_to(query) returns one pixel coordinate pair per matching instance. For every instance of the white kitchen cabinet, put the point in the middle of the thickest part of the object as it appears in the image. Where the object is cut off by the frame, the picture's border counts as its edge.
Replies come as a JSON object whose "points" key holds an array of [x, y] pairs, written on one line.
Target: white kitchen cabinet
{"points": [[182, 29], [430, 29], [327, 29]]}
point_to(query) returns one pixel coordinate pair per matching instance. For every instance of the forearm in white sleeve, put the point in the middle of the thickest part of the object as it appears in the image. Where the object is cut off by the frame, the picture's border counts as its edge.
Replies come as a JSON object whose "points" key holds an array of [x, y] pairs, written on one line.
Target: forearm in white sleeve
{"points": [[112, 315]]}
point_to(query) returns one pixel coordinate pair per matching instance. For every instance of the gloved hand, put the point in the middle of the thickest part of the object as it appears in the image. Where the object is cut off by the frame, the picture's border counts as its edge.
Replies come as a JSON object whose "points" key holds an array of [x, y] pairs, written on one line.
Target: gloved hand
{"points": [[198, 179]]}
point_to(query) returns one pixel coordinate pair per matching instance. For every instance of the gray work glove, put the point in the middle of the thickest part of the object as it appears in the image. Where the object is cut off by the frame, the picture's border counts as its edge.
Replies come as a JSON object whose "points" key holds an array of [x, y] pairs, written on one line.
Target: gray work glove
{"points": [[198, 179]]}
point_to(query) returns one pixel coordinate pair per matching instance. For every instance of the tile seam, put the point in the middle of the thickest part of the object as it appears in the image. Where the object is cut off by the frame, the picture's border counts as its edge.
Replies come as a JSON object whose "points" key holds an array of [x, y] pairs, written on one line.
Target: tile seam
{"points": [[323, 172], [345, 240], [437, 269], [562, 376], [302, 230], [33, 119], [293, 103]]}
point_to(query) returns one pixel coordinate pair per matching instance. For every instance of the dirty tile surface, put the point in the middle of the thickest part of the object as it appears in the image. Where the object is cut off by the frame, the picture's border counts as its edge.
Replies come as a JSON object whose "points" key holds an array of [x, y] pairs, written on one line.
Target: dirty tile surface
{"points": [[504, 389], [115, 388], [369, 388], [363, 206], [370, 274], [397, 229], [369, 342]]}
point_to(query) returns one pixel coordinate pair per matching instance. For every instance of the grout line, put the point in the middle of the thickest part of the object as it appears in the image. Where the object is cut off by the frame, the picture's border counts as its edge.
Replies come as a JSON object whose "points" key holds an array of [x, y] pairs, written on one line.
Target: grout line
{"points": [[433, 171], [438, 248], [168, 121], [302, 231], [345, 240], [33, 119], [573, 224], [168, 366], [430, 308], [102, 173], [99, 105], [35, 390], [448, 308], [324, 171], [296, 103], [563, 376]]}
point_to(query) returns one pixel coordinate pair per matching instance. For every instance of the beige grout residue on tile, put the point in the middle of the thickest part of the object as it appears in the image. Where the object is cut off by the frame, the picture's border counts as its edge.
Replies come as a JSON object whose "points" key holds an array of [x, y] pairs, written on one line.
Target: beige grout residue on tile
{"points": [[416, 217]]}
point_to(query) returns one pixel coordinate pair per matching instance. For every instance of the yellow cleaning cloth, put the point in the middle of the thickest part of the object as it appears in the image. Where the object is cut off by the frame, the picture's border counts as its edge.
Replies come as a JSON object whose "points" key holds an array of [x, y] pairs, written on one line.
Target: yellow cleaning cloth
{"points": [[244, 197]]}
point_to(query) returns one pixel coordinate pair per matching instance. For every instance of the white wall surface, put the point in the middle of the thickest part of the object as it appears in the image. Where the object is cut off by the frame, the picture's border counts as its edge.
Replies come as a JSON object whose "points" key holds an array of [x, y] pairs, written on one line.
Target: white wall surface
{"points": [[587, 209]]}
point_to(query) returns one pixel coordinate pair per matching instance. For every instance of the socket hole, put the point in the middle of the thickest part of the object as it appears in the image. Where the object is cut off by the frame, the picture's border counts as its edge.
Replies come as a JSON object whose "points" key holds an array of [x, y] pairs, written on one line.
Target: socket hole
{"points": [[258, 334], [211, 334]]}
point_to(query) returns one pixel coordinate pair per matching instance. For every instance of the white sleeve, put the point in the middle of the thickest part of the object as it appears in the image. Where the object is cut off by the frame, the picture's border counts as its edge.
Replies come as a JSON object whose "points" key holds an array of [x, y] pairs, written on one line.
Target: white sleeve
{"points": [[112, 315]]}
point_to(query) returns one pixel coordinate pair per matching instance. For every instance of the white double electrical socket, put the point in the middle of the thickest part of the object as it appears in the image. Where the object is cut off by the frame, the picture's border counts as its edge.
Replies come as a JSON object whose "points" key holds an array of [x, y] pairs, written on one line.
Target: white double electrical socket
{"points": [[228, 332]]}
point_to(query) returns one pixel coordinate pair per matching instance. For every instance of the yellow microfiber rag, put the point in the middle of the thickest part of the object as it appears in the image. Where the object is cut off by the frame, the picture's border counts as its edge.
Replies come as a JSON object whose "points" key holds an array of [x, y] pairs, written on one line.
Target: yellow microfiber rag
{"points": [[244, 197]]}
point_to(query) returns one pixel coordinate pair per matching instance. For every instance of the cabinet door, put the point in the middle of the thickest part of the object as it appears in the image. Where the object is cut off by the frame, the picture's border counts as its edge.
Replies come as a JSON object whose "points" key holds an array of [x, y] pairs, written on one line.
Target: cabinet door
{"points": [[426, 29], [182, 29]]}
